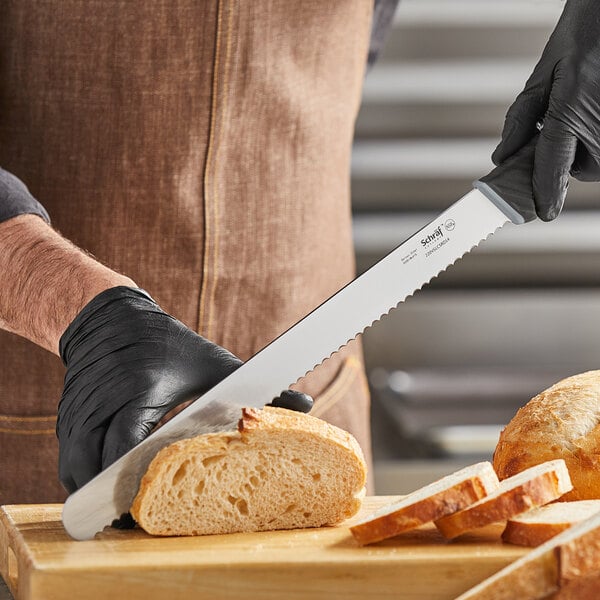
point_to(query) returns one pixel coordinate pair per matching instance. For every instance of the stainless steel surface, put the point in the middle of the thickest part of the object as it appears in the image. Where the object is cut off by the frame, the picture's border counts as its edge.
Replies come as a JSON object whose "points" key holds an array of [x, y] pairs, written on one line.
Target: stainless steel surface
{"points": [[477, 13], [425, 174], [452, 68], [448, 411], [517, 330], [572, 233], [341, 318], [405, 476], [471, 357]]}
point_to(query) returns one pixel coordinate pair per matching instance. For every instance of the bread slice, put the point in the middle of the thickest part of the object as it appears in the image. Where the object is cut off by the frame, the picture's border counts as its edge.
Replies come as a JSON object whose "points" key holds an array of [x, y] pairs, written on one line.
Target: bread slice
{"points": [[567, 566], [533, 487], [580, 588], [281, 470], [451, 493], [560, 422], [538, 525]]}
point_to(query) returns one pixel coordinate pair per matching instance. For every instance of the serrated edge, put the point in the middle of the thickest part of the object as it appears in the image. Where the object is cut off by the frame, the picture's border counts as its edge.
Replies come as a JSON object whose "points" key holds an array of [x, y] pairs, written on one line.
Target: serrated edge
{"points": [[165, 442], [397, 305]]}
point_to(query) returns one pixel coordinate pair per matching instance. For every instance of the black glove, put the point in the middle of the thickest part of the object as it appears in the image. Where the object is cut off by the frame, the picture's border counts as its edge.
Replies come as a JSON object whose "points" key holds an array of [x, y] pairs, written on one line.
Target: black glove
{"points": [[128, 364], [563, 94]]}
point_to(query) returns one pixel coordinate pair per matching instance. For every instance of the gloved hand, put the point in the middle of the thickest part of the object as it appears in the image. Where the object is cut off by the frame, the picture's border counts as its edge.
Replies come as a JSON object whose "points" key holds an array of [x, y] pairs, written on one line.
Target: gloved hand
{"points": [[563, 94], [128, 364]]}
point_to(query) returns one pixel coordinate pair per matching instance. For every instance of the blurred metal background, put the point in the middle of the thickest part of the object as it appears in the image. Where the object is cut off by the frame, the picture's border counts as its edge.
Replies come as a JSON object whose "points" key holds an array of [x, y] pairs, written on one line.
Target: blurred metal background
{"points": [[452, 366]]}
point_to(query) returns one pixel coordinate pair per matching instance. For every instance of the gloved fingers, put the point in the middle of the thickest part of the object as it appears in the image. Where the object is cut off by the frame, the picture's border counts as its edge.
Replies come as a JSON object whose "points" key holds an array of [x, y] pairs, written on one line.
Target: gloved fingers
{"points": [[523, 115], [134, 422], [293, 400], [216, 364], [64, 475], [128, 427], [83, 461], [125, 521], [586, 167], [554, 156]]}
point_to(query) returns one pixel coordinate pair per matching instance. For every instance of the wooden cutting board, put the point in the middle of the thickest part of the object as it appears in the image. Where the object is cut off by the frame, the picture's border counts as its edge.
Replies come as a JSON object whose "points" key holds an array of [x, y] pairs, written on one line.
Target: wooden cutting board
{"points": [[40, 561]]}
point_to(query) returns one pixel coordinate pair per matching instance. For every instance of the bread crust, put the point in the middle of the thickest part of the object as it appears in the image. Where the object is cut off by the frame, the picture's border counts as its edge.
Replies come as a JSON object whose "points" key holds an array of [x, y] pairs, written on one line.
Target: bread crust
{"points": [[272, 418], [447, 501], [560, 422], [256, 427], [531, 534], [537, 491], [579, 557], [537, 526], [583, 588], [566, 567]]}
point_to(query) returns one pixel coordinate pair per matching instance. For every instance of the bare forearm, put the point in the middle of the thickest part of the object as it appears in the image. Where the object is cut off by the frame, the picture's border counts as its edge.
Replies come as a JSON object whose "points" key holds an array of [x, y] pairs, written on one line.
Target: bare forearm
{"points": [[45, 280]]}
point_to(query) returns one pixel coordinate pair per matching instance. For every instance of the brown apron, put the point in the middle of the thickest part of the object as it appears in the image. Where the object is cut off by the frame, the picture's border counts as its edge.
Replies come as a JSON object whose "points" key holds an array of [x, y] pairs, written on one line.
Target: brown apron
{"points": [[203, 149]]}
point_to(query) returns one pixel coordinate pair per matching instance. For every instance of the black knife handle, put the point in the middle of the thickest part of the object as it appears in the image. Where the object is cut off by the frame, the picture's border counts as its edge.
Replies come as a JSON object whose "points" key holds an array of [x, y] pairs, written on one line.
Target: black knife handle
{"points": [[510, 186]]}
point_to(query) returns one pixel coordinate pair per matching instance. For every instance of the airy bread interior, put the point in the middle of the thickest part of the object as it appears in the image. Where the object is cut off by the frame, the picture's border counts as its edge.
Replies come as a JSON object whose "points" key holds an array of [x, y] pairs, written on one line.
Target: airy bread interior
{"points": [[560, 513], [281, 470]]}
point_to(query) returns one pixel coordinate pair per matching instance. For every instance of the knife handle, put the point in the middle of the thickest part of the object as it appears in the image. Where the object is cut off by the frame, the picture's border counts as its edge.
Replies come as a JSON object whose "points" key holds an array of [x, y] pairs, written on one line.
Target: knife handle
{"points": [[510, 187]]}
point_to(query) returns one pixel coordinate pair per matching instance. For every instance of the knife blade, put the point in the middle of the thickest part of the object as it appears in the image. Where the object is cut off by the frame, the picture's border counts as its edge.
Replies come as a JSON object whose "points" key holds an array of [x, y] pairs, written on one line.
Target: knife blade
{"points": [[501, 197]]}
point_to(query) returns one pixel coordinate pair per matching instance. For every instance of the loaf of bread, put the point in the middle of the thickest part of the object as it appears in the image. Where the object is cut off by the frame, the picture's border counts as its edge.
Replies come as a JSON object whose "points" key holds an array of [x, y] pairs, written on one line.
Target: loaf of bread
{"points": [[280, 470], [538, 525], [561, 422], [442, 497], [535, 486], [565, 567]]}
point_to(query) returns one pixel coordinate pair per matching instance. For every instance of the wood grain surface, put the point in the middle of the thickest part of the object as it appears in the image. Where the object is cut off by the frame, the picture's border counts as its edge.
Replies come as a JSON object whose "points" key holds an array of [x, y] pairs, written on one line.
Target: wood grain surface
{"points": [[40, 561]]}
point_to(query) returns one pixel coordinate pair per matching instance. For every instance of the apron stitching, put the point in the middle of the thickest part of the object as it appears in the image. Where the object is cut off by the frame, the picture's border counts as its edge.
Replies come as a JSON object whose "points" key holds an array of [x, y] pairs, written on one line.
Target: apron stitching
{"points": [[11, 419], [27, 431], [207, 173], [222, 113]]}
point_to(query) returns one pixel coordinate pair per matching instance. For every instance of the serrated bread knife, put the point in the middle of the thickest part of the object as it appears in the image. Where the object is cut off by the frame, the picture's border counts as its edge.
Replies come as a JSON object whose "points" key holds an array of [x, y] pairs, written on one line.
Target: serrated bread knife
{"points": [[503, 196]]}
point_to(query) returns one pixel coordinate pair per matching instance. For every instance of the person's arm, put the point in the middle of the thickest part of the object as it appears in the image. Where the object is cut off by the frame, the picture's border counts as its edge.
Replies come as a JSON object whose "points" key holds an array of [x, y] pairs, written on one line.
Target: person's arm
{"points": [[45, 280], [128, 363]]}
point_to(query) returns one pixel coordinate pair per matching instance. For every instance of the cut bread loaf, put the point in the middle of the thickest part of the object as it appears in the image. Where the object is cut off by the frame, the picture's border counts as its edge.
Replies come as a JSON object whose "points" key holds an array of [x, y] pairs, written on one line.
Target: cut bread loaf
{"points": [[533, 487], [449, 494], [538, 525], [281, 470], [561, 422], [566, 566]]}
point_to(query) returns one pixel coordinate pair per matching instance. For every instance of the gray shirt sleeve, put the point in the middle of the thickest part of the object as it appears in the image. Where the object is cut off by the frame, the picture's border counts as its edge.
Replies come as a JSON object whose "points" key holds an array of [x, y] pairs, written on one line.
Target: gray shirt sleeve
{"points": [[16, 199], [383, 15]]}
